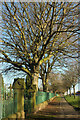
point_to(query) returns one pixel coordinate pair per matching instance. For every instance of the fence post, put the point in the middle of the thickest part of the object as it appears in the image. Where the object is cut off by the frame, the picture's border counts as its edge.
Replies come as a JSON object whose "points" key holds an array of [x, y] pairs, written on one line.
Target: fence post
{"points": [[19, 87], [10, 87], [1, 98]]}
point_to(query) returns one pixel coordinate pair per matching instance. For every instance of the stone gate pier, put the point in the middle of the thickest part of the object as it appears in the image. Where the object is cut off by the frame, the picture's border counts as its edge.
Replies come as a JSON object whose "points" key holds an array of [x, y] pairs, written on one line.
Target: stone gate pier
{"points": [[19, 87]]}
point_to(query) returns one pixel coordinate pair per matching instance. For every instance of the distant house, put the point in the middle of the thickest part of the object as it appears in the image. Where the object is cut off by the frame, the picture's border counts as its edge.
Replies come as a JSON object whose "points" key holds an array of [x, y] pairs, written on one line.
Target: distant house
{"points": [[78, 93]]}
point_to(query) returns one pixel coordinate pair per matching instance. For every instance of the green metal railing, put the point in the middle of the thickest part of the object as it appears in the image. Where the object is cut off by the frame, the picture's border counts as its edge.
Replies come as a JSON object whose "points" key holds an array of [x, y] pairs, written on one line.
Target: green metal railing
{"points": [[43, 96], [0, 109], [8, 108], [40, 97], [7, 104]]}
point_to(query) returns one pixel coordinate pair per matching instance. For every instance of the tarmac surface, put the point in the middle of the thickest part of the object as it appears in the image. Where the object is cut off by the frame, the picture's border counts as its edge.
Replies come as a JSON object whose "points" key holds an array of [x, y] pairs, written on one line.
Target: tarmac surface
{"points": [[58, 108]]}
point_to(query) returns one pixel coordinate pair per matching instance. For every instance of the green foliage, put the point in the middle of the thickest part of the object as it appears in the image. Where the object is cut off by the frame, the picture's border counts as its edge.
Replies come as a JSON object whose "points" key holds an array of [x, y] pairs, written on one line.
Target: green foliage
{"points": [[30, 88], [28, 82], [19, 83]]}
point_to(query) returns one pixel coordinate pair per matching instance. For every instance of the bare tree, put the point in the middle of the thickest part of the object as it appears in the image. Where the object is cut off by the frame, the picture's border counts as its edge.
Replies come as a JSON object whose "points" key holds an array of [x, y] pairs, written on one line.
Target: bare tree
{"points": [[34, 30], [45, 69], [74, 76], [70, 78], [56, 83], [57, 61], [67, 82]]}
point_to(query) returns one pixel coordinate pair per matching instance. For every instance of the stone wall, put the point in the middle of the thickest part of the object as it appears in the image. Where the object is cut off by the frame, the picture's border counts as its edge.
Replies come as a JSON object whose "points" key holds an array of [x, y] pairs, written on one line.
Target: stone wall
{"points": [[17, 115]]}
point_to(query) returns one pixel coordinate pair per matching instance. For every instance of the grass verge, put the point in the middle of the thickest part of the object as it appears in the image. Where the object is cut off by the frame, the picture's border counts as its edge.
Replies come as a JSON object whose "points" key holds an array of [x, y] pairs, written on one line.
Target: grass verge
{"points": [[74, 102]]}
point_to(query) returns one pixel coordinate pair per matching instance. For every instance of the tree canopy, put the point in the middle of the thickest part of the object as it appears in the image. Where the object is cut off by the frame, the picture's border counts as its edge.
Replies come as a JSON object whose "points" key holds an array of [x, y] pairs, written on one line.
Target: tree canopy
{"points": [[31, 31]]}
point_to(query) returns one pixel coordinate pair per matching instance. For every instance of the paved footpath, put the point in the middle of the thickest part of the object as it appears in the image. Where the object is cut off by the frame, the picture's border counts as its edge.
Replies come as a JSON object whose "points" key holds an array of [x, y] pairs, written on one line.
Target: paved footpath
{"points": [[58, 108]]}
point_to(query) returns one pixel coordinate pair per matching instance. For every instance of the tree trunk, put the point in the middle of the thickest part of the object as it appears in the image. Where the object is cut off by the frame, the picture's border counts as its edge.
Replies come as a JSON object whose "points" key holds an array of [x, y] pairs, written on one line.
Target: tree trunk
{"points": [[35, 80], [70, 91], [33, 88], [44, 88], [35, 77], [34, 84], [45, 85], [67, 92], [74, 90]]}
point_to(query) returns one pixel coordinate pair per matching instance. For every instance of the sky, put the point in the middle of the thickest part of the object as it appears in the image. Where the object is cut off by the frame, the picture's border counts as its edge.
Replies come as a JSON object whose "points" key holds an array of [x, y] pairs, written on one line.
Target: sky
{"points": [[8, 80]]}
